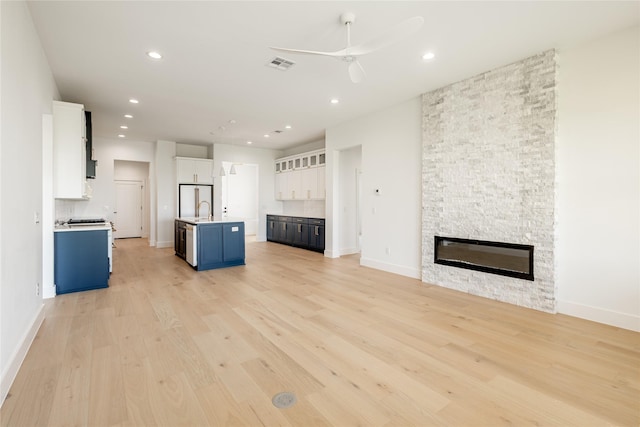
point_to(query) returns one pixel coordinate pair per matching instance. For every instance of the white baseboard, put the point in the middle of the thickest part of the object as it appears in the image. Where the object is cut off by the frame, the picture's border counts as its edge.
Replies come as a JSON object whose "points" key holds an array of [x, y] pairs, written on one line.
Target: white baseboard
{"points": [[49, 292], [600, 315], [349, 251], [10, 372], [331, 254], [164, 244], [391, 268]]}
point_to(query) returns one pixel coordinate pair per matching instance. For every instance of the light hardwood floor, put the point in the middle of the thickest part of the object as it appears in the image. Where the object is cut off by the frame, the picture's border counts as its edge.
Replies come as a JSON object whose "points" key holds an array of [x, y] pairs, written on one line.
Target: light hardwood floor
{"points": [[165, 345]]}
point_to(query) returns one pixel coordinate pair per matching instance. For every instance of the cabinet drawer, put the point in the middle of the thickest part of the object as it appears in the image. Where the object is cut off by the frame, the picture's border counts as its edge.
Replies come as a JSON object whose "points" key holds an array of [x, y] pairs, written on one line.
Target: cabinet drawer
{"points": [[297, 220], [315, 221]]}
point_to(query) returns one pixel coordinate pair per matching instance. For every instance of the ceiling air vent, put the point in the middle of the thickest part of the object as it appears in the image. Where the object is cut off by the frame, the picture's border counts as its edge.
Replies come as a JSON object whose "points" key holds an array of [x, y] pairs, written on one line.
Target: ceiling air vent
{"points": [[281, 63], [278, 131]]}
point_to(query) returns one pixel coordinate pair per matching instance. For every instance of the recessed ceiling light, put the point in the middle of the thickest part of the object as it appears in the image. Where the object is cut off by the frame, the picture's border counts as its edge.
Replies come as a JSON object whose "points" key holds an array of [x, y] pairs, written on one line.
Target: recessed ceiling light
{"points": [[428, 55], [335, 101], [133, 101], [121, 136], [128, 116], [249, 142], [124, 127], [287, 127], [232, 122], [154, 55], [266, 135]]}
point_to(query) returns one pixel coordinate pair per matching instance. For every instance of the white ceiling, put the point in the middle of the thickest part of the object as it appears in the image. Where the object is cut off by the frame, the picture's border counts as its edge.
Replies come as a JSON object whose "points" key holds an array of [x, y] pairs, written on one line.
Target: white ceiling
{"points": [[214, 71]]}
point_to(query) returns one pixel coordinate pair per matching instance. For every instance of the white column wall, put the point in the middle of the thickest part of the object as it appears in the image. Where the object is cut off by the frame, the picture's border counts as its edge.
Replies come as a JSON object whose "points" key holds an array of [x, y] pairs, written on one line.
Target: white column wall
{"points": [[165, 209]]}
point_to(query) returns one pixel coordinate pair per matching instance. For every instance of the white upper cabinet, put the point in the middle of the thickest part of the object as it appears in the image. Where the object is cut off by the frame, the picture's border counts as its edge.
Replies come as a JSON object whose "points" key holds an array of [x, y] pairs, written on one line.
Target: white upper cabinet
{"points": [[300, 177], [194, 171], [69, 151]]}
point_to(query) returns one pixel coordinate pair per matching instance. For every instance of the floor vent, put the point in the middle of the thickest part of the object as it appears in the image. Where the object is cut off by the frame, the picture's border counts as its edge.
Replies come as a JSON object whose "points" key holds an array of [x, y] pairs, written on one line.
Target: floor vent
{"points": [[281, 63], [284, 400]]}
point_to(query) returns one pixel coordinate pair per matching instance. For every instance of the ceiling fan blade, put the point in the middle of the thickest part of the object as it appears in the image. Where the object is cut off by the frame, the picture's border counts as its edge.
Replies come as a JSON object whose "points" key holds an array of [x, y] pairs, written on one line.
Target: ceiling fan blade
{"points": [[392, 35], [356, 72], [338, 53]]}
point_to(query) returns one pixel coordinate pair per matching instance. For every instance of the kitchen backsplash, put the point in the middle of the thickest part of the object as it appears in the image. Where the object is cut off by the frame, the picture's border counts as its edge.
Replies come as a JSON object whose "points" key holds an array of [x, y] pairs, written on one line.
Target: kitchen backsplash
{"points": [[306, 208], [66, 209]]}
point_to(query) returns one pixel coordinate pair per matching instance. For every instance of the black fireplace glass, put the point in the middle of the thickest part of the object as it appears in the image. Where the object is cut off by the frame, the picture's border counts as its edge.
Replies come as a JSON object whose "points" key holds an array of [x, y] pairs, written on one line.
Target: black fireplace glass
{"points": [[507, 259]]}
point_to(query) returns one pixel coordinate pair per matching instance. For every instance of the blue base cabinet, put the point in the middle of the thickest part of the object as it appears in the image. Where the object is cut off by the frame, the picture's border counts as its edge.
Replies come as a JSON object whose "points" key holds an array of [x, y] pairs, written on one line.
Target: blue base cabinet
{"points": [[81, 260], [220, 245]]}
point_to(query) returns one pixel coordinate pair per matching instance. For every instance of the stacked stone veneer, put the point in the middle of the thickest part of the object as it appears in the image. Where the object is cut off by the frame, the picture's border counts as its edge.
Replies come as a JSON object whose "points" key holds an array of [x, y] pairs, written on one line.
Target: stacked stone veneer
{"points": [[488, 174]]}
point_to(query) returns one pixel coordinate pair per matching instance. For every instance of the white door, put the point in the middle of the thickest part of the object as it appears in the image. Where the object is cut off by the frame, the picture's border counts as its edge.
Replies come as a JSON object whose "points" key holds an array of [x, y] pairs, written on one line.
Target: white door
{"points": [[128, 212]]}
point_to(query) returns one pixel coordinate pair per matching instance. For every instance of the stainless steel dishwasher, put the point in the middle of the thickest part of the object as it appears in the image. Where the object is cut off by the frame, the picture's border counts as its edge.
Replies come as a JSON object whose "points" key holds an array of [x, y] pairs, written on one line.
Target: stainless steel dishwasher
{"points": [[192, 244]]}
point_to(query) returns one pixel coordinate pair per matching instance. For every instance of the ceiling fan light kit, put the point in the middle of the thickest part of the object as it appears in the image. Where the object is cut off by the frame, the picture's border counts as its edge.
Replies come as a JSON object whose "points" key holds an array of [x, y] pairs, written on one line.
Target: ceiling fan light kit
{"points": [[350, 53]]}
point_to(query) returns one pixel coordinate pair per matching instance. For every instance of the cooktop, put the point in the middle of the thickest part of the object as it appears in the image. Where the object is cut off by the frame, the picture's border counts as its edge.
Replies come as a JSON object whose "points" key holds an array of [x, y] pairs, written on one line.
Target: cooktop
{"points": [[87, 221]]}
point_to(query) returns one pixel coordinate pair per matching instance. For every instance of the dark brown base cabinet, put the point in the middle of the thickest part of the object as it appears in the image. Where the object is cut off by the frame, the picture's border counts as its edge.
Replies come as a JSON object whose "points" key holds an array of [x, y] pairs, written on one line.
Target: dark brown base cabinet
{"points": [[305, 233]]}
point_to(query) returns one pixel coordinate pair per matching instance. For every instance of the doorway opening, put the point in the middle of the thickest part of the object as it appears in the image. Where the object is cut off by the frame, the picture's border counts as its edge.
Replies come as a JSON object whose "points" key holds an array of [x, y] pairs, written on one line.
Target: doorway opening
{"points": [[131, 206], [350, 200], [240, 195]]}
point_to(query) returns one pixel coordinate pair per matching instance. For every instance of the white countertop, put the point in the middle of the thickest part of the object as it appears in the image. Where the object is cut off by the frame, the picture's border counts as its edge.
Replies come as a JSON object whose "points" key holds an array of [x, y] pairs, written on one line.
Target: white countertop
{"points": [[297, 216], [67, 227], [204, 220]]}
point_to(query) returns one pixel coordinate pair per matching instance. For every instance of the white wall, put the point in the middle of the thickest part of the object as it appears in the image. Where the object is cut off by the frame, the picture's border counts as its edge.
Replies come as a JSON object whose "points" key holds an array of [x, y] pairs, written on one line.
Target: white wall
{"points": [[27, 89], [189, 150], [391, 143], [303, 148], [264, 158], [598, 181]]}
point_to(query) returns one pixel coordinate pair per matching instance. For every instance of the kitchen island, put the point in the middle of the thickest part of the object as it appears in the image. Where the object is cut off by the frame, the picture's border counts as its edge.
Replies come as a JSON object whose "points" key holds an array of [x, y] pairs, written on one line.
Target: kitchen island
{"points": [[207, 244]]}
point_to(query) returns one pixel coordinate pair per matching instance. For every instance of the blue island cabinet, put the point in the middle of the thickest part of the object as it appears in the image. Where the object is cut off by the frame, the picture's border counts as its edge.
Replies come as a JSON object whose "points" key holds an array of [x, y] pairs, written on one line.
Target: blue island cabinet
{"points": [[81, 260], [220, 245]]}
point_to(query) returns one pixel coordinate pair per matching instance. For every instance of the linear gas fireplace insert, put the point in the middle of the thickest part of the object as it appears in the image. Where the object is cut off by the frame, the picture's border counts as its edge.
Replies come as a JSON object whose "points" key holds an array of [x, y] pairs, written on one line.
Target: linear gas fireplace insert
{"points": [[507, 259]]}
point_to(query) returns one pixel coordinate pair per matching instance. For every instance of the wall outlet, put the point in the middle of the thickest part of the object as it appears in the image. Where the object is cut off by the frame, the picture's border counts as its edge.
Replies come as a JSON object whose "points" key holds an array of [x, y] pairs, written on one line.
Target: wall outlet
{"points": [[38, 289]]}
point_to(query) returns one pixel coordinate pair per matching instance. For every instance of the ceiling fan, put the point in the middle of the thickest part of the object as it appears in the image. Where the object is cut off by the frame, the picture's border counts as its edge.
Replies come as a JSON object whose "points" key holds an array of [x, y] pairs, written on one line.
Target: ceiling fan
{"points": [[350, 53]]}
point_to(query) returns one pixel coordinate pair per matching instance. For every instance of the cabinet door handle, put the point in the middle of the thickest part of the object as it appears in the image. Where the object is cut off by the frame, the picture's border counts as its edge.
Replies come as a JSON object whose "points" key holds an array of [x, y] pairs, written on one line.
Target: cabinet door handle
{"points": [[271, 224], [299, 228], [284, 226], [317, 228]]}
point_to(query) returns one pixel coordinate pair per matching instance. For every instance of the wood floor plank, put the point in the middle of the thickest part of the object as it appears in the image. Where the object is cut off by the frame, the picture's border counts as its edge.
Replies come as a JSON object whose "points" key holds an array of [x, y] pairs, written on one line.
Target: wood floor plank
{"points": [[168, 345], [106, 393]]}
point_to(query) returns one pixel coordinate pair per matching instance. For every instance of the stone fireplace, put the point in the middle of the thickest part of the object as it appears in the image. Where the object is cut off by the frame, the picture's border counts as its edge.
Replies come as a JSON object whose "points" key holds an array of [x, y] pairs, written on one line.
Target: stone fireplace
{"points": [[488, 175]]}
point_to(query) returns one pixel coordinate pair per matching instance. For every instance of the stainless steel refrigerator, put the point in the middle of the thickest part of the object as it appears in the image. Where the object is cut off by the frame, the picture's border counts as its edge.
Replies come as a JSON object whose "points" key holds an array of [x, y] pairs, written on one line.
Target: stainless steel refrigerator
{"points": [[190, 195]]}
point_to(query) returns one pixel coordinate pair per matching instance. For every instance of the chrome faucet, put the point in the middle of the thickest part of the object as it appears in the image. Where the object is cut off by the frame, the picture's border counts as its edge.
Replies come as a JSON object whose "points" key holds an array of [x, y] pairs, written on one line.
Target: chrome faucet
{"points": [[209, 216]]}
